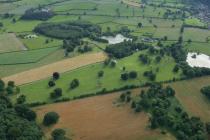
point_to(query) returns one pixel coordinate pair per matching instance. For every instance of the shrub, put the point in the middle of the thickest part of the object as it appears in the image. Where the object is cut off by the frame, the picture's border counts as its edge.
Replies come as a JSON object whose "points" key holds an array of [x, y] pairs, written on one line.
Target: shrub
{"points": [[100, 74], [58, 134], [124, 76], [56, 93], [74, 84], [133, 74], [51, 83], [21, 99], [50, 118]]}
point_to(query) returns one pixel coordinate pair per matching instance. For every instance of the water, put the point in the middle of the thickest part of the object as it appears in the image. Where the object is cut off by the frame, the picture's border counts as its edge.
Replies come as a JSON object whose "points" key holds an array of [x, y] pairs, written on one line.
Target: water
{"points": [[198, 60], [115, 40]]}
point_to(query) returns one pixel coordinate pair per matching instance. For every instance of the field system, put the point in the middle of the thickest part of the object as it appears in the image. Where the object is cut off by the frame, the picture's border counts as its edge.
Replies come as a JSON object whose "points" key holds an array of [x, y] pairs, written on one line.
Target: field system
{"points": [[151, 58]]}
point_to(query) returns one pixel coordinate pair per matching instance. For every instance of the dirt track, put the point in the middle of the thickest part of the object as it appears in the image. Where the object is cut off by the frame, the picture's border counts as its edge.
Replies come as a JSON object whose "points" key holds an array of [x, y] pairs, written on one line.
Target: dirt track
{"points": [[100, 118], [61, 66]]}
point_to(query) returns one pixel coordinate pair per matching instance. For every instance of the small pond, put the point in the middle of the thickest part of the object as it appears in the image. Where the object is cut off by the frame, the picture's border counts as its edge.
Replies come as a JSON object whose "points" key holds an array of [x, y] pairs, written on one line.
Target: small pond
{"points": [[115, 40], [198, 60]]}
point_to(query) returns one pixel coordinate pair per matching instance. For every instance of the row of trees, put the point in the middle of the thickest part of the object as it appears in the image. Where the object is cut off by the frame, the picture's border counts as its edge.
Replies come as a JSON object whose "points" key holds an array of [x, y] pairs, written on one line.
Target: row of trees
{"points": [[9, 88]]}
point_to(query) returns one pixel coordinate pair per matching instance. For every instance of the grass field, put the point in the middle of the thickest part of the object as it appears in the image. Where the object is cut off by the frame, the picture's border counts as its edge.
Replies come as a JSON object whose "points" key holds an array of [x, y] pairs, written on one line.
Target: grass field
{"points": [[90, 83], [23, 57], [9, 42], [40, 42], [116, 122]]}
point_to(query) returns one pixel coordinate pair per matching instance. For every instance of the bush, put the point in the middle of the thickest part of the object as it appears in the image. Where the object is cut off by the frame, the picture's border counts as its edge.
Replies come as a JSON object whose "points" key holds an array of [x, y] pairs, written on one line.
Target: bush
{"points": [[58, 134], [74, 84], [100, 74], [133, 74], [50, 118], [124, 76], [51, 83], [56, 93], [21, 99]]}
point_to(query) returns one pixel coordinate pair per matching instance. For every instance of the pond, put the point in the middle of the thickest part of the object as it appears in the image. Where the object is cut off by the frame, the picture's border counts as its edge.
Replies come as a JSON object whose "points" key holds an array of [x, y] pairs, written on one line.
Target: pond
{"points": [[198, 60], [115, 40]]}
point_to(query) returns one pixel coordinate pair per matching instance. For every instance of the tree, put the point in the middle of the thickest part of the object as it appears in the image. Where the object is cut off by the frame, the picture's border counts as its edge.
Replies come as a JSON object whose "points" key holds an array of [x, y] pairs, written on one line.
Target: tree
{"points": [[124, 76], [206, 91], [56, 75], [51, 83], [176, 68], [158, 59], [11, 84], [14, 132], [50, 118], [21, 99], [25, 112], [58, 134], [56, 93], [74, 83], [208, 127], [100, 74], [2, 86], [133, 74], [140, 25]]}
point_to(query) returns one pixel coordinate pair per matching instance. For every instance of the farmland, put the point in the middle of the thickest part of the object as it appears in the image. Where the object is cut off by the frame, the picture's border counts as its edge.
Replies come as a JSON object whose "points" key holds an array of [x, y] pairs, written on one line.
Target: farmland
{"points": [[59, 51], [116, 120]]}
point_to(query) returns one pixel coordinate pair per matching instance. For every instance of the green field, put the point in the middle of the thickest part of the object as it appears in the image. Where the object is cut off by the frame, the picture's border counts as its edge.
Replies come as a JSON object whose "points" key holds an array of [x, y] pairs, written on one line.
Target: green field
{"points": [[90, 83], [24, 57]]}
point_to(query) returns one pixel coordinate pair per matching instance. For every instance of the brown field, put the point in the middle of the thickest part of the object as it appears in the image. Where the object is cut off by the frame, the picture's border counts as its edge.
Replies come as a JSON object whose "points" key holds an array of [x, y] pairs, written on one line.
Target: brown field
{"points": [[189, 95], [61, 66], [100, 118], [9, 42]]}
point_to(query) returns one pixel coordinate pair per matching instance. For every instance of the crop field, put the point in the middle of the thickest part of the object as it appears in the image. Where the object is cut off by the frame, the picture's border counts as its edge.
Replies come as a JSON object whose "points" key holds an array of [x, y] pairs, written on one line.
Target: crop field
{"points": [[119, 122], [14, 44]]}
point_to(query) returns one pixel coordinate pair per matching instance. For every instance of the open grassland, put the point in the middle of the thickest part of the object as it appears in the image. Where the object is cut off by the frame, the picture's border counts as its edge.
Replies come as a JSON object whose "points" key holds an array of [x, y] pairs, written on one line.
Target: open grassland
{"points": [[9, 42], [100, 118], [61, 66], [24, 57], [89, 82]]}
